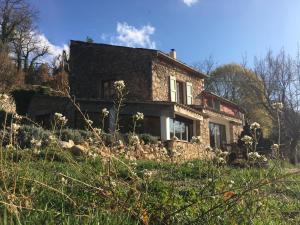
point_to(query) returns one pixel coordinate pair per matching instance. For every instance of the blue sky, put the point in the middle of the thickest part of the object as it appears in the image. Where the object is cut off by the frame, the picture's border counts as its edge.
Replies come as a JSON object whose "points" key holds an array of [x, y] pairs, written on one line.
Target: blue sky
{"points": [[227, 30]]}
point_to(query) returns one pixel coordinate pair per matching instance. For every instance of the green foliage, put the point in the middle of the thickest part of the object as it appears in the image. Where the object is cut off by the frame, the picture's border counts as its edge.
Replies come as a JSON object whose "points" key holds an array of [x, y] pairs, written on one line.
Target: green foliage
{"points": [[148, 138], [242, 86], [27, 133], [77, 136]]}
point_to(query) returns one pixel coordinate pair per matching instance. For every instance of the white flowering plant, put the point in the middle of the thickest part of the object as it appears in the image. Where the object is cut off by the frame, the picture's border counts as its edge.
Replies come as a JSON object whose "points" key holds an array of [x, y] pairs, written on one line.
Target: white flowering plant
{"points": [[196, 140], [137, 117]]}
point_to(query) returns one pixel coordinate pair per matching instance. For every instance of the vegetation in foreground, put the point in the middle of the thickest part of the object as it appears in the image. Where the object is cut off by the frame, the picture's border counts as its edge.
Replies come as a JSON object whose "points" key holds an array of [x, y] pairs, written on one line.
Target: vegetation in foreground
{"points": [[50, 186]]}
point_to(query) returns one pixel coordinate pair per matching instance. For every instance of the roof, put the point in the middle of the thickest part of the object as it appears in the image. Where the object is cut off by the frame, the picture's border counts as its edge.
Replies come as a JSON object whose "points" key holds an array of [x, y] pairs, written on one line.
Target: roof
{"points": [[153, 51]]}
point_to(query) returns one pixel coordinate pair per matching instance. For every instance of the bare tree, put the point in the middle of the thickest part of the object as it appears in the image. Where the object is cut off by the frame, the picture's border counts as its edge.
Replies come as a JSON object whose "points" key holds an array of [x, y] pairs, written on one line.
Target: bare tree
{"points": [[13, 14], [28, 49], [280, 75], [207, 65]]}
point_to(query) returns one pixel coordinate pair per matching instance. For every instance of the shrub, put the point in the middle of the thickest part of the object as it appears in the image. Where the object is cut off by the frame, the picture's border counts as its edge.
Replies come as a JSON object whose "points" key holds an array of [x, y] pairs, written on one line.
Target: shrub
{"points": [[148, 138], [109, 138], [27, 133], [74, 135]]}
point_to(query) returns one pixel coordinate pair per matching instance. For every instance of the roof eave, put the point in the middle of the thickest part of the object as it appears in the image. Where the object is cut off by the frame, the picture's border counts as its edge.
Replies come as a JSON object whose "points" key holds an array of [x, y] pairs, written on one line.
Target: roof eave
{"points": [[193, 70]]}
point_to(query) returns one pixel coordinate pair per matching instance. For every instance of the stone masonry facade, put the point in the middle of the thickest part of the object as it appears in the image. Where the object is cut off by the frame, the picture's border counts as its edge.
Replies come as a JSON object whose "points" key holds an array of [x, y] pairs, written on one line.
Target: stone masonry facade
{"points": [[146, 73], [161, 72]]}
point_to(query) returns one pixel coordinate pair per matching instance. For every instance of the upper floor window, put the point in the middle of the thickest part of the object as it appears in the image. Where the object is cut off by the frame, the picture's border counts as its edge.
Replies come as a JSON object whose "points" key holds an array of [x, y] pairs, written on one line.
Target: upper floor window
{"points": [[181, 92], [214, 104], [108, 89]]}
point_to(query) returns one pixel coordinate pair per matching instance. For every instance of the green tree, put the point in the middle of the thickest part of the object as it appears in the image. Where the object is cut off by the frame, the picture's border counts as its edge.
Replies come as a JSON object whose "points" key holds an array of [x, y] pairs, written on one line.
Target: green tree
{"points": [[241, 85]]}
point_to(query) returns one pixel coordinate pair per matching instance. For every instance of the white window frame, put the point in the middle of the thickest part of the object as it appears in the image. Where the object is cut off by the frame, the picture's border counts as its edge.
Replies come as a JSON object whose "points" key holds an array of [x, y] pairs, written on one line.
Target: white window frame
{"points": [[189, 93], [173, 92]]}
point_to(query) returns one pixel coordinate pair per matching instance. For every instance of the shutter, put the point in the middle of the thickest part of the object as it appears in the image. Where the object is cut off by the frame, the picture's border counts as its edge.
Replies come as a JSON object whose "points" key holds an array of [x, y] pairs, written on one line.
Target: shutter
{"points": [[173, 89], [189, 93]]}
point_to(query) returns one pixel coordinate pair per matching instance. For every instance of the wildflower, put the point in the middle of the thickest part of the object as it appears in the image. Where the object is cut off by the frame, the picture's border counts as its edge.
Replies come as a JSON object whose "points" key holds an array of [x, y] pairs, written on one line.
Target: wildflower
{"points": [[98, 131], [105, 112], [209, 179], [208, 148], [138, 116], [133, 164], [275, 147], [17, 117], [175, 138], [147, 173], [15, 127], [134, 140], [196, 139], [90, 122], [7, 103], [52, 138], [60, 118], [113, 183], [247, 140], [36, 151], [224, 154], [277, 105], [119, 85], [36, 143], [10, 147], [64, 181], [58, 115], [164, 151], [190, 164], [259, 204], [221, 160], [254, 126]]}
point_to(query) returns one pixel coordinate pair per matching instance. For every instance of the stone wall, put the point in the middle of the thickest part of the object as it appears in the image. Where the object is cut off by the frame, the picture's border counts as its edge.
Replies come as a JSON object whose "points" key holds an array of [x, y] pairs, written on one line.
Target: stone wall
{"points": [[204, 131], [235, 131], [161, 72], [91, 64], [184, 151]]}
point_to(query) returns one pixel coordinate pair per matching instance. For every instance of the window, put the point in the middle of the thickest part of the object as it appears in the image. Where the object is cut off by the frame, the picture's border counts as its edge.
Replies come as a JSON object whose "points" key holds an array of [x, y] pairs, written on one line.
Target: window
{"points": [[179, 92], [181, 128], [217, 133], [108, 89], [214, 104], [173, 89]]}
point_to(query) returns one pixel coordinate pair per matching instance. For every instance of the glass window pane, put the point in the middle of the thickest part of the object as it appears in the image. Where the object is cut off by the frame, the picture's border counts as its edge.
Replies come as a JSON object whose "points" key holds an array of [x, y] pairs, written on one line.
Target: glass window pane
{"points": [[177, 129], [171, 128]]}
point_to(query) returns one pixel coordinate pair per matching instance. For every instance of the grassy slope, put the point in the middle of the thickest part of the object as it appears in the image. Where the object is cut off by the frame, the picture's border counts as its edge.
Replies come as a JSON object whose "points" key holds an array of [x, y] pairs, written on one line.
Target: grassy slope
{"points": [[64, 190]]}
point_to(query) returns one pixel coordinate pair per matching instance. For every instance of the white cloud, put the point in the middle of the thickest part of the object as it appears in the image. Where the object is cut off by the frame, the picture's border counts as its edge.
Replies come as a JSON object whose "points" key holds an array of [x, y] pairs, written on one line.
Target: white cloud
{"points": [[131, 36], [189, 2], [54, 50]]}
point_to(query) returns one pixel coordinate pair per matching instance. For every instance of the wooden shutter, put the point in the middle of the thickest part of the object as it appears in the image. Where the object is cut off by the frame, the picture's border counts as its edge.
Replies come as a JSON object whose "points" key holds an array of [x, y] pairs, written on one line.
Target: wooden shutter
{"points": [[173, 89], [189, 93]]}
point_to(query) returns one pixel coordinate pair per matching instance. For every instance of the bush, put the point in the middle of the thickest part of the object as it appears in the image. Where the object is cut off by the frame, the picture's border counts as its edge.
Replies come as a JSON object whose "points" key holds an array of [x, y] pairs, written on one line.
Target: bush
{"points": [[148, 138], [75, 135], [109, 138], [26, 133]]}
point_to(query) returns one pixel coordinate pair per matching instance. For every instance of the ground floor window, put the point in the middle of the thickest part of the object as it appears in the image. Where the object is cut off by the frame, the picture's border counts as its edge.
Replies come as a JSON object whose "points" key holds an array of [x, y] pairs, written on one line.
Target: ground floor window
{"points": [[217, 134], [181, 128]]}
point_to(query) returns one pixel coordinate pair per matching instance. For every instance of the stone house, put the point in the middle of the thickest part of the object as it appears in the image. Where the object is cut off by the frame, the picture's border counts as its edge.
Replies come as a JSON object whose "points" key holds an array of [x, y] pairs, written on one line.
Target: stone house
{"points": [[167, 91]]}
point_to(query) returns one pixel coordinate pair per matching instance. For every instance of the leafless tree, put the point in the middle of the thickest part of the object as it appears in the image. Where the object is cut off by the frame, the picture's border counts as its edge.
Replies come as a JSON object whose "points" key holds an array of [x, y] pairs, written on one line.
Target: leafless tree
{"points": [[280, 75], [13, 14], [28, 49]]}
